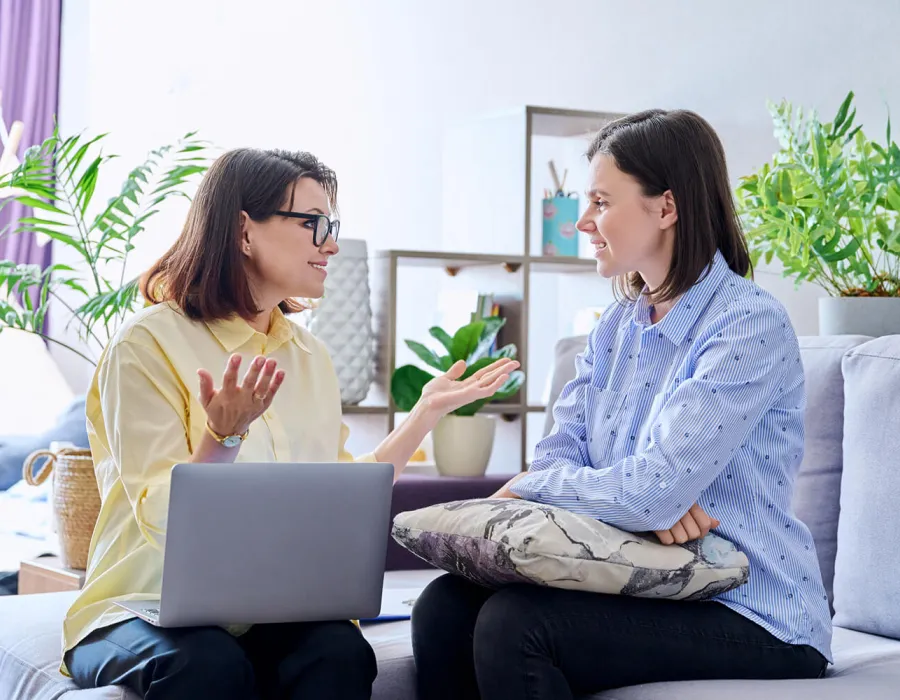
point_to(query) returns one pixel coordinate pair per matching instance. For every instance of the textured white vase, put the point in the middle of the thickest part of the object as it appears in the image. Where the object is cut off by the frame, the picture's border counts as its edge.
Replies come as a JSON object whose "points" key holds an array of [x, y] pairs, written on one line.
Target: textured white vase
{"points": [[463, 444], [343, 320]]}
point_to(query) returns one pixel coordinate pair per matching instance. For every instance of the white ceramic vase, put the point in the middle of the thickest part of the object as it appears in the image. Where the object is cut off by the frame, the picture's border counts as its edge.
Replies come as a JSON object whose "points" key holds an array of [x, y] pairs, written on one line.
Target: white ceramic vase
{"points": [[463, 444], [343, 320]]}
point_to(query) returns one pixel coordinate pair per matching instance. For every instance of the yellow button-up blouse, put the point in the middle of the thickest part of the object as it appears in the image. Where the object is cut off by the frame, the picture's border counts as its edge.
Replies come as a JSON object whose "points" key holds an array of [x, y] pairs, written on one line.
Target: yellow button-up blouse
{"points": [[144, 416]]}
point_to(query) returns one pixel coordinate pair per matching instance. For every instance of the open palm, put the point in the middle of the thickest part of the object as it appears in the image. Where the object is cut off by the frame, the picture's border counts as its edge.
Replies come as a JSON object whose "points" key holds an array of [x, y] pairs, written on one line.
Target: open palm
{"points": [[446, 393]]}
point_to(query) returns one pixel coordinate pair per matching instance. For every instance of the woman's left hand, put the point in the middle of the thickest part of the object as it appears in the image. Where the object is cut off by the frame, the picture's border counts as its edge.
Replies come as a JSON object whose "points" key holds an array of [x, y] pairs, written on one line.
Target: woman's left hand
{"points": [[446, 393]]}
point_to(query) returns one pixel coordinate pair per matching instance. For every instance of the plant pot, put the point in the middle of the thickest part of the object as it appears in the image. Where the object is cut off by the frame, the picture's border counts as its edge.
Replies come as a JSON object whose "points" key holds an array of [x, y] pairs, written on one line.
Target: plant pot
{"points": [[873, 316], [75, 500], [463, 444]]}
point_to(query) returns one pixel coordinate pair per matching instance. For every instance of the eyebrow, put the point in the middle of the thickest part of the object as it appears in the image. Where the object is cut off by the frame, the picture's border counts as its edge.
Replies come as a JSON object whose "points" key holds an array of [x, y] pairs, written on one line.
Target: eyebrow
{"points": [[596, 193], [316, 210]]}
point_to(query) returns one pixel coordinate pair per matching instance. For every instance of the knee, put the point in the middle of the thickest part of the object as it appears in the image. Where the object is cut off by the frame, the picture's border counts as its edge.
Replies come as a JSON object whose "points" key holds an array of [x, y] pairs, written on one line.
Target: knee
{"points": [[508, 626], [342, 646], [204, 669], [447, 608]]}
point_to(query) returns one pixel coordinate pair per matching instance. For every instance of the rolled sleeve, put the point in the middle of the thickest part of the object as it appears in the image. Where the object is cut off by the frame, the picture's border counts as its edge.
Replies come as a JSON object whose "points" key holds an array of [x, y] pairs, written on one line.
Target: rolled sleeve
{"points": [[740, 371]]}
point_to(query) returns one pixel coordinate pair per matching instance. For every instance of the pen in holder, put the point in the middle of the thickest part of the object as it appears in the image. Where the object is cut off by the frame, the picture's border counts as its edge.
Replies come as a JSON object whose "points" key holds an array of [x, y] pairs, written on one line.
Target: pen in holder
{"points": [[560, 237]]}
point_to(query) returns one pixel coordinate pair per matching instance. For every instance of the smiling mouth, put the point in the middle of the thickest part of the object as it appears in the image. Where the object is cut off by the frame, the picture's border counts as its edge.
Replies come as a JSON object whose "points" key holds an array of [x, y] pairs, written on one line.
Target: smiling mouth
{"points": [[320, 268]]}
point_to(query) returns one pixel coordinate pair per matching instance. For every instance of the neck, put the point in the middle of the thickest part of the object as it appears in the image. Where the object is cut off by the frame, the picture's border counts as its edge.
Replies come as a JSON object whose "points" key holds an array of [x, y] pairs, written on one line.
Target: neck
{"points": [[262, 320]]}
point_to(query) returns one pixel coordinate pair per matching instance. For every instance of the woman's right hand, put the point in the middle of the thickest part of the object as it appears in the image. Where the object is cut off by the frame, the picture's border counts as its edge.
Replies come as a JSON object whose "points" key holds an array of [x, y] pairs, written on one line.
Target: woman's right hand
{"points": [[232, 408], [693, 526]]}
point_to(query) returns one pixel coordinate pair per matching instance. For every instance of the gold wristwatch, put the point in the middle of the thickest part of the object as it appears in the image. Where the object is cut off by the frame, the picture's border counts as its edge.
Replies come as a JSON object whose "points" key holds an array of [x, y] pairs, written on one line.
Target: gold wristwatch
{"points": [[228, 440]]}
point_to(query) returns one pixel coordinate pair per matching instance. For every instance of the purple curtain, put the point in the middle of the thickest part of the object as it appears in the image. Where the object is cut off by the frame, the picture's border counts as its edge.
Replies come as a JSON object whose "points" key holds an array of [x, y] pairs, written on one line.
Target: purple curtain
{"points": [[29, 79]]}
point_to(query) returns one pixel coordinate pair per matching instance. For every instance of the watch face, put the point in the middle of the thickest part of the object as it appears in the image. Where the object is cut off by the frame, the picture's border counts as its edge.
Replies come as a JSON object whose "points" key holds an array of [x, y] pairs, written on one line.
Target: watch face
{"points": [[232, 441]]}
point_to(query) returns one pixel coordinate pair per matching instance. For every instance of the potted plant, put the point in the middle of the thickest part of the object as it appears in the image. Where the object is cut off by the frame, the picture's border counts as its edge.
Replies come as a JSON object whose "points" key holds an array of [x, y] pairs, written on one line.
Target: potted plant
{"points": [[463, 440], [57, 180], [828, 207]]}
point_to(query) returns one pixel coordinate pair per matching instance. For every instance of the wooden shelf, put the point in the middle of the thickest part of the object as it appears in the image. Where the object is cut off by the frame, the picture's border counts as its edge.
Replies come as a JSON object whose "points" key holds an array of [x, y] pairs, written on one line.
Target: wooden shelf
{"points": [[364, 410], [549, 121], [512, 263], [561, 264]]}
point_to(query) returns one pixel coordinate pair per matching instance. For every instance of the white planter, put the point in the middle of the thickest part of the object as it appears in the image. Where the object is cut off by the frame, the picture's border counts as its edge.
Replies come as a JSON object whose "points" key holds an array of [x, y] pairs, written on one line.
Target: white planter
{"points": [[343, 320], [463, 444], [874, 316]]}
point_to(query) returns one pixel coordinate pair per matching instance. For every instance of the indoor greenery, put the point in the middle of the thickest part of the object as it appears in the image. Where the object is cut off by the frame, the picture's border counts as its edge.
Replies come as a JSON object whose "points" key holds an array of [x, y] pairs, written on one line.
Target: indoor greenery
{"points": [[57, 180], [473, 343], [828, 205]]}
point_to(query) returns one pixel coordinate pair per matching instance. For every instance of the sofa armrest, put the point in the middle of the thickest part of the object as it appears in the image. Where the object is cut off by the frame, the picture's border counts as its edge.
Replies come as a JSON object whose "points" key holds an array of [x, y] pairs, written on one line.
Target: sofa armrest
{"points": [[414, 491]]}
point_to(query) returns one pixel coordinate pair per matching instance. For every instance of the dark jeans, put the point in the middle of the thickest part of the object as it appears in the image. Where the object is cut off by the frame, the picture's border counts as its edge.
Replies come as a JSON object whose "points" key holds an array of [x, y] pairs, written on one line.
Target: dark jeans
{"points": [[539, 643], [316, 661]]}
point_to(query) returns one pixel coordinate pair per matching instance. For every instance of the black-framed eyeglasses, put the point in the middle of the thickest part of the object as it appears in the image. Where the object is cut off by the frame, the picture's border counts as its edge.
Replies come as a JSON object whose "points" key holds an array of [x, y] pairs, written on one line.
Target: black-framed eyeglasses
{"points": [[322, 226]]}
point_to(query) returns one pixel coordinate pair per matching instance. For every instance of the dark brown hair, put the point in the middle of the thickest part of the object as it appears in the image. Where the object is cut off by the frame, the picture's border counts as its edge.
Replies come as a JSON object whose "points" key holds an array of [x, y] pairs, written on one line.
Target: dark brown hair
{"points": [[203, 272], [679, 151]]}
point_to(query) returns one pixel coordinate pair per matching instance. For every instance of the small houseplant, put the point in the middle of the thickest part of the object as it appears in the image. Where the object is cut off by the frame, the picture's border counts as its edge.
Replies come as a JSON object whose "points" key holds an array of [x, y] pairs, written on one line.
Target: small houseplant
{"points": [[828, 208], [462, 440], [57, 180]]}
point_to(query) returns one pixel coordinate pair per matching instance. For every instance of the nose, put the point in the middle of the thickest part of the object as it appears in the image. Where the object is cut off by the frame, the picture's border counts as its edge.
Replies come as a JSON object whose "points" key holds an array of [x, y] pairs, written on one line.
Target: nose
{"points": [[586, 224], [330, 246]]}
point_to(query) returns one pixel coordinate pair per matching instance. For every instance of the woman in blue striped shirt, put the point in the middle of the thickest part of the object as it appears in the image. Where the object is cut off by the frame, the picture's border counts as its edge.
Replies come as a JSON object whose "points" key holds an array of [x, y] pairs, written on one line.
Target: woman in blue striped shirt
{"points": [[686, 415]]}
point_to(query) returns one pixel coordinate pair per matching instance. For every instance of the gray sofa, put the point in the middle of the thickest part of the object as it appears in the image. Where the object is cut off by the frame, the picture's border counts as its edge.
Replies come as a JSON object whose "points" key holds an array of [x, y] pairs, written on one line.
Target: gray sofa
{"points": [[847, 493]]}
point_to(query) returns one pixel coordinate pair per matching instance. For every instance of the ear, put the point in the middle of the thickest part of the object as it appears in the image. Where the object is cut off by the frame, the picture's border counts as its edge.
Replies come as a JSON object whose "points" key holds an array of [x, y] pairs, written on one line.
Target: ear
{"points": [[668, 214], [246, 225]]}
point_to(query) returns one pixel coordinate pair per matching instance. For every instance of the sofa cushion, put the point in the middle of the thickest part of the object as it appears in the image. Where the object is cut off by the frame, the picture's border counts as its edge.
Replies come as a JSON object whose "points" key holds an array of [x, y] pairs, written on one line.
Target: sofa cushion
{"points": [[564, 354], [817, 491], [865, 667], [866, 592], [30, 648], [494, 542]]}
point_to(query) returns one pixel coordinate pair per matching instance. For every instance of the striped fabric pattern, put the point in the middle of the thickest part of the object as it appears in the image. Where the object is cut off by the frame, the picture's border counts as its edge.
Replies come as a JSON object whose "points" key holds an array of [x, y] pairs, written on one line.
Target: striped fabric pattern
{"points": [[705, 406]]}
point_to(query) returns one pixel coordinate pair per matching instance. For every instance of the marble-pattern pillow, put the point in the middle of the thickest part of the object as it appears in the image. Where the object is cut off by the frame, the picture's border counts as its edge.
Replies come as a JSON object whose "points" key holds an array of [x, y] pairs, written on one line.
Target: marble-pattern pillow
{"points": [[501, 541]]}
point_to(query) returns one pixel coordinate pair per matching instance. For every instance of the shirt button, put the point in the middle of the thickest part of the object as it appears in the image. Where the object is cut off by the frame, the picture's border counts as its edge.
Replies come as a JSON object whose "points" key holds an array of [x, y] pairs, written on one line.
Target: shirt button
{"points": [[663, 484]]}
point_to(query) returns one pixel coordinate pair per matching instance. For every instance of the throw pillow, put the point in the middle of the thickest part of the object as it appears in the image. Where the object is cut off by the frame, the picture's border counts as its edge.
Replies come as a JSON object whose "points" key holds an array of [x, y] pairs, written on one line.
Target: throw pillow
{"points": [[494, 542]]}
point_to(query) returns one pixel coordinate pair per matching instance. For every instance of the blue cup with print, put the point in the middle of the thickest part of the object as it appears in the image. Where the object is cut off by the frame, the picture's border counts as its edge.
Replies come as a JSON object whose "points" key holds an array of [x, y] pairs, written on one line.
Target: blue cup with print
{"points": [[560, 237]]}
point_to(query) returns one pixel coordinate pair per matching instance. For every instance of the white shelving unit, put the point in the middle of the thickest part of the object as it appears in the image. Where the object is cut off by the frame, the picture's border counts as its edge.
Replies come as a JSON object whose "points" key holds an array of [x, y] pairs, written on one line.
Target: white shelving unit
{"points": [[493, 186]]}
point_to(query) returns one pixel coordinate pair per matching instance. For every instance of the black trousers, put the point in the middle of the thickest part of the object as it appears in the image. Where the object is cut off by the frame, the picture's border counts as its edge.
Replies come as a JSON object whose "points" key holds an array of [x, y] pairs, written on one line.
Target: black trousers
{"points": [[540, 643], [317, 661]]}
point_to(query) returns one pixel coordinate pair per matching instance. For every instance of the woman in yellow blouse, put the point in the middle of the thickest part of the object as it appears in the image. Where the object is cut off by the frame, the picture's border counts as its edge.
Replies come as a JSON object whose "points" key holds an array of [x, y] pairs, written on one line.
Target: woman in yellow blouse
{"points": [[259, 234]]}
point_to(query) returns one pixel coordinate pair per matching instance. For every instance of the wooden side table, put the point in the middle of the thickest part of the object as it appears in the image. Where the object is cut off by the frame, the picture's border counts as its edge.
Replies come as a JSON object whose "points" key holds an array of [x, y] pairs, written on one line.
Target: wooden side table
{"points": [[48, 575]]}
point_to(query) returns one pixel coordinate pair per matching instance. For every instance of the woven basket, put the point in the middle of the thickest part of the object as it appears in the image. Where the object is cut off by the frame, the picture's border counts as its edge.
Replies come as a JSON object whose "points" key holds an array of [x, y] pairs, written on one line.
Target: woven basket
{"points": [[76, 499]]}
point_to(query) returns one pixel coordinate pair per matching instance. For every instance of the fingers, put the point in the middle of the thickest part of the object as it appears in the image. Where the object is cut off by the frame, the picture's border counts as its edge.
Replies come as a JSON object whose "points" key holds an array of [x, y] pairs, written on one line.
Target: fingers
{"points": [[277, 379], [691, 528], [679, 533], [456, 370], [256, 366], [665, 536], [701, 518], [498, 366], [261, 387], [207, 389], [229, 379]]}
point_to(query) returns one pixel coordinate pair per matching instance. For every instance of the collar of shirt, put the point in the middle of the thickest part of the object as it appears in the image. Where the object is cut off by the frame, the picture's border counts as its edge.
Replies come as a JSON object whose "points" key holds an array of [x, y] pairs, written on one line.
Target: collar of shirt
{"points": [[676, 324], [233, 332]]}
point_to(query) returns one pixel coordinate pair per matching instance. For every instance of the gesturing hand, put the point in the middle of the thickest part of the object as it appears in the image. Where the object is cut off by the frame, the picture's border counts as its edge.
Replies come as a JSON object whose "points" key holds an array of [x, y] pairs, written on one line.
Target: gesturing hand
{"points": [[231, 409], [446, 393], [693, 526]]}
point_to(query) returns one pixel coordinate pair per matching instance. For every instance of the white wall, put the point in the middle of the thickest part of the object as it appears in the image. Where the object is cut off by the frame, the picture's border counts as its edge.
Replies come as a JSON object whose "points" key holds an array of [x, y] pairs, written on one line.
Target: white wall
{"points": [[370, 87]]}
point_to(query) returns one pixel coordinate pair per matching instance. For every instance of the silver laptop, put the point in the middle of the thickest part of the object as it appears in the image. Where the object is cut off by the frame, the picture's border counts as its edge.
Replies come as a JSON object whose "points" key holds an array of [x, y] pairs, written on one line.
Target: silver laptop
{"points": [[253, 543]]}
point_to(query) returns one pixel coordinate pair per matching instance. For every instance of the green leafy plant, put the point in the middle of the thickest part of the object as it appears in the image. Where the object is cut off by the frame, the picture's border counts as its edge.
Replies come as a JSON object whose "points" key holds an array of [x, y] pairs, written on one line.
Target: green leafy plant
{"points": [[57, 180], [828, 205], [472, 343]]}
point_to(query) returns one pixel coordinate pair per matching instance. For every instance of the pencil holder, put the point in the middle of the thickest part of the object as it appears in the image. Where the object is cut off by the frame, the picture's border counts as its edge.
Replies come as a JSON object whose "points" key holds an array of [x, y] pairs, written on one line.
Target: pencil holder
{"points": [[560, 237]]}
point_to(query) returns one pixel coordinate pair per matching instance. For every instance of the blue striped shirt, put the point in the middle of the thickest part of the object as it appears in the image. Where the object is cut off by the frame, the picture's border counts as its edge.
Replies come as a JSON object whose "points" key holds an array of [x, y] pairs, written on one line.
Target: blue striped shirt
{"points": [[704, 406]]}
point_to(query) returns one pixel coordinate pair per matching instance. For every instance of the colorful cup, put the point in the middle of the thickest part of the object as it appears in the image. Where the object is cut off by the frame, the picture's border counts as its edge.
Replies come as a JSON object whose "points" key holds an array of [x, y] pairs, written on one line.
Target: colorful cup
{"points": [[560, 237]]}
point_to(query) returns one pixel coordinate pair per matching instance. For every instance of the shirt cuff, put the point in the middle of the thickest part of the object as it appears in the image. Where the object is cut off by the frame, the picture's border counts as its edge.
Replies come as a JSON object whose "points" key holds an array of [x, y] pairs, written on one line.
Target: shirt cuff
{"points": [[529, 486]]}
